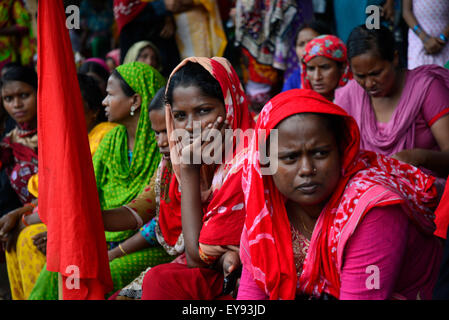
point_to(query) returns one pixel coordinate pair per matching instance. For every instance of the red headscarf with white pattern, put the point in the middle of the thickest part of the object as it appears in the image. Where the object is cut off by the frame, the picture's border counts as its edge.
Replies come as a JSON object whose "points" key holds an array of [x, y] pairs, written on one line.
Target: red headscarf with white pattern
{"points": [[266, 246], [223, 202]]}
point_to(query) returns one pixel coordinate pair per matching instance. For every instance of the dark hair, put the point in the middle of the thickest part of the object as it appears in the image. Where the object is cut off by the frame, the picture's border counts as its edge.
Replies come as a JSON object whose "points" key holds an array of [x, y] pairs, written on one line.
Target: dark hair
{"points": [[362, 40], [316, 25], [193, 74], [22, 74], [9, 65], [91, 93], [158, 101], [127, 90], [91, 66]]}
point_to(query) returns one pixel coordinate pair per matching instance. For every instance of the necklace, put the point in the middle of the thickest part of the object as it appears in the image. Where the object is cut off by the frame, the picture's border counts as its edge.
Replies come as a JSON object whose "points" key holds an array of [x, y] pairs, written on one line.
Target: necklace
{"points": [[305, 228], [295, 215]]}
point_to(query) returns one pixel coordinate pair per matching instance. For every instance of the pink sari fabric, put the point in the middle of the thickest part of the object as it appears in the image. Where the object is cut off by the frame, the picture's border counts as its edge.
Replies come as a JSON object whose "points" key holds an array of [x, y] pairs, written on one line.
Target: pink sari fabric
{"points": [[394, 241], [399, 132]]}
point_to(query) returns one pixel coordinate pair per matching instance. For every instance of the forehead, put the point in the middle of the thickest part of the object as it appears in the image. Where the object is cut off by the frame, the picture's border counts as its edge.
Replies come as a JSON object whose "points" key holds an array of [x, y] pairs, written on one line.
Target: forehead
{"points": [[307, 34], [147, 50], [190, 97], [367, 61], [303, 129], [320, 60], [113, 83], [12, 87], [157, 118]]}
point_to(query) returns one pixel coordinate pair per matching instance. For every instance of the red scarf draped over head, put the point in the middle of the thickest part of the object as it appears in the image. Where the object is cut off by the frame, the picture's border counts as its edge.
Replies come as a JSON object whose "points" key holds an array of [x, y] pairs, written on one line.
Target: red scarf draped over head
{"points": [[330, 47], [126, 10], [266, 245], [225, 186]]}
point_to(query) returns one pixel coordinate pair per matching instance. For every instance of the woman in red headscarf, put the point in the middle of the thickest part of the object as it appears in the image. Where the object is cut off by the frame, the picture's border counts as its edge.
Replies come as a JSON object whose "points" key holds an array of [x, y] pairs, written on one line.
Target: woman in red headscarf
{"points": [[325, 65], [206, 201], [333, 221]]}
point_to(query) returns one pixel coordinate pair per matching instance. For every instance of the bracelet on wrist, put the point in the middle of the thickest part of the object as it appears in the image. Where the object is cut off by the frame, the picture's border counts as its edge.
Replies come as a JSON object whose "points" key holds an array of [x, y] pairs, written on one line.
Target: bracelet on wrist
{"points": [[121, 249], [30, 204], [417, 29], [24, 221]]}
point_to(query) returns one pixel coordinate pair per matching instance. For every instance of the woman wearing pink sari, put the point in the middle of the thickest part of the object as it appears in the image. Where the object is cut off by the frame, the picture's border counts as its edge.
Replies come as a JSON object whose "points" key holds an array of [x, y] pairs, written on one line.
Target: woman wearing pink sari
{"points": [[333, 221], [400, 113]]}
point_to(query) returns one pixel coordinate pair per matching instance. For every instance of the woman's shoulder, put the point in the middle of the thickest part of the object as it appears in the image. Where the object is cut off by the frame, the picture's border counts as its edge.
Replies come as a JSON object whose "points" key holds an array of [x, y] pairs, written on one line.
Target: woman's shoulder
{"points": [[350, 97], [428, 72], [97, 134], [349, 87], [17, 136], [103, 127], [293, 81]]}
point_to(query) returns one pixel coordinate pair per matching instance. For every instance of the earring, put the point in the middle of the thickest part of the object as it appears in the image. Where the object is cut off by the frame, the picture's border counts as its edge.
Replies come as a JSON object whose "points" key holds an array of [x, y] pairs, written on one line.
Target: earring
{"points": [[133, 108]]}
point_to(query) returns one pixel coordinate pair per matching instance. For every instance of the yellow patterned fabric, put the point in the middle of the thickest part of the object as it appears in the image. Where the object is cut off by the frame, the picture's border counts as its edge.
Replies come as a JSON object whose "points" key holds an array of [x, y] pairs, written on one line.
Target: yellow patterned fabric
{"points": [[97, 134], [199, 31], [25, 263]]}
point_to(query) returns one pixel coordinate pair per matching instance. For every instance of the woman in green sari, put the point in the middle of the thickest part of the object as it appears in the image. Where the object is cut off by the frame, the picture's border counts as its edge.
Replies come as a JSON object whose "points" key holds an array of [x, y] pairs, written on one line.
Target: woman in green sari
{"points": [[124, 164]]}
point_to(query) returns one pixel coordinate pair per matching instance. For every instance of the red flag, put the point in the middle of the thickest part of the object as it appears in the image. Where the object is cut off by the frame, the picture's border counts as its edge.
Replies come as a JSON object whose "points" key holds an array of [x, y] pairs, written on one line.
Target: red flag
{"points": [[68, 198]]}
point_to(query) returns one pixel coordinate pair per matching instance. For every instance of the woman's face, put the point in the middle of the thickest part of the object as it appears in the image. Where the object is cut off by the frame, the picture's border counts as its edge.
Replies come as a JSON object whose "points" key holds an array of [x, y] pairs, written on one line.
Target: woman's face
{"points": [[117, 104], [191, 106], [148, 56], [20, 101], [308, 160], [157, 118], [304, 36], [324, 75], [374, 74]]}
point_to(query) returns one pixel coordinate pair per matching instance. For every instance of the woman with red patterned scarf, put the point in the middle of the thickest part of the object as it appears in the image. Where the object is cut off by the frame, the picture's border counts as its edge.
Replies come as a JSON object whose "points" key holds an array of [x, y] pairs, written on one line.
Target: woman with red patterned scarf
{"points": [[18, 150], [333, 221], [206, 201], [325, 65]]}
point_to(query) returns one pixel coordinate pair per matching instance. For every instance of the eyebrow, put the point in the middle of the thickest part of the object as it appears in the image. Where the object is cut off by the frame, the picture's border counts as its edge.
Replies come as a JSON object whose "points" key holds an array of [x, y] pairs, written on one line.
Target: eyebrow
{"points": [[194, 108], [292, 151], [368, 73], [320, 65]]}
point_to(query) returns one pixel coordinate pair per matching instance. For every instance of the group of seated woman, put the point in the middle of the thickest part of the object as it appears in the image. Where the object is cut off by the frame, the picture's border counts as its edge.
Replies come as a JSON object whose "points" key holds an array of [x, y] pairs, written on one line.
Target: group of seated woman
{"points": [[359, 172]]}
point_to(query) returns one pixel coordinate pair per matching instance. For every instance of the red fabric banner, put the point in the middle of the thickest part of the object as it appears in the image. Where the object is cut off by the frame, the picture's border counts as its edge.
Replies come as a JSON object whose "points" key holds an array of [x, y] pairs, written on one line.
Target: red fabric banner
{"points": [[442, 214], [68, 198]]}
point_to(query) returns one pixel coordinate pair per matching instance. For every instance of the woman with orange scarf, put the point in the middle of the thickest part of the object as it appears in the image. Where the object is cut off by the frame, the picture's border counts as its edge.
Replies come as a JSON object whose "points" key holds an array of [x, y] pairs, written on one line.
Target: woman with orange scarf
{"points": [[206, 203], [333, 221]]}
